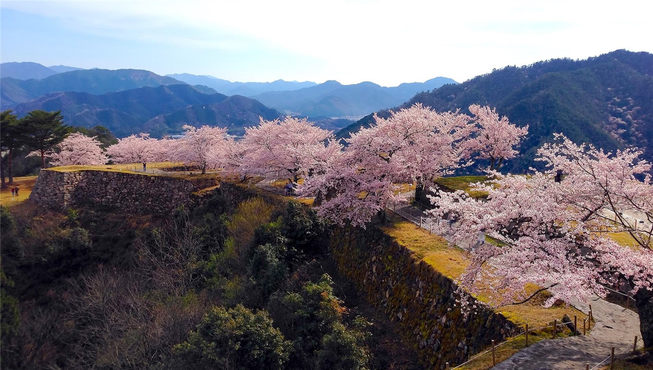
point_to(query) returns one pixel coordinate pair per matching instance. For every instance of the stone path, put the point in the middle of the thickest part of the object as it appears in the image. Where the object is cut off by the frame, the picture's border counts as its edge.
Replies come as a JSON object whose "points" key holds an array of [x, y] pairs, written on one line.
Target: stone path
{"points": [[615, 326]]}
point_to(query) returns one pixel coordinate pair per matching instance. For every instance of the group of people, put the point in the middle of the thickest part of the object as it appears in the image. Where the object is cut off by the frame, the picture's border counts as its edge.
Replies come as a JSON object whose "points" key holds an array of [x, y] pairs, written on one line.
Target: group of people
{"points": [[14, 191]]}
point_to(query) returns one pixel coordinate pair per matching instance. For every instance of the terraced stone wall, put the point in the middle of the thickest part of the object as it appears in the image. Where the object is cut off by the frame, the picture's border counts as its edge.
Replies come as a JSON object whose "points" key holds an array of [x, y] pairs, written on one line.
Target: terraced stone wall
{"points": [[416, 296], [127, 192]]}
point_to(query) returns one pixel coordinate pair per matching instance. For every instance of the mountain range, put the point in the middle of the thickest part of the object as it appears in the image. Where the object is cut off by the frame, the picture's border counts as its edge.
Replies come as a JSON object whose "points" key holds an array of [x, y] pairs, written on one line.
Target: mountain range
{"points": [[128, 101], [605, 100], [92, 81], [328, 99], [158, 110], [333, 99], [30, 70], [240, 88]]}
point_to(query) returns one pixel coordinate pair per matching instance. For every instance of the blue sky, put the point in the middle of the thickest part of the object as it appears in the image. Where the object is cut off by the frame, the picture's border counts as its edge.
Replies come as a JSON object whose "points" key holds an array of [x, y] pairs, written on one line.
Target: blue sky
{"points": [[387, 42]]}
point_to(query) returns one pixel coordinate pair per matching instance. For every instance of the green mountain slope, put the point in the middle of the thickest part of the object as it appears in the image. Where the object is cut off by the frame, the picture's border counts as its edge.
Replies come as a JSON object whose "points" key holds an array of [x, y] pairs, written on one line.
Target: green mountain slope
{"points": [[235, 113], [124, 112], [606, 101]]}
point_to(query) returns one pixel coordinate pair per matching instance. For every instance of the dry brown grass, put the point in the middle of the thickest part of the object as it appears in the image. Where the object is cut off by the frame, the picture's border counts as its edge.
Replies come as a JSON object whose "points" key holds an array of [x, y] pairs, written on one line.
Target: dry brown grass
{"points": [[249, 215], [123, 167]]}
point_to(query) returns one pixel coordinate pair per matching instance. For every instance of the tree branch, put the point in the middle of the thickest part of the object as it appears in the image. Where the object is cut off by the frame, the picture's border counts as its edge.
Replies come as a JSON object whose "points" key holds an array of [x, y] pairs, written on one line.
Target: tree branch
{"points": [[534, 294]]}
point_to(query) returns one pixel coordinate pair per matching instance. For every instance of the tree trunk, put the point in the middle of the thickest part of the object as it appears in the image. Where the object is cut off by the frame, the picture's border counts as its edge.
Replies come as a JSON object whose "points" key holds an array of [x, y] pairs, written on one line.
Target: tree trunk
{"points": [[2, 173], [500, 163], [644, 303], [10, 166]]}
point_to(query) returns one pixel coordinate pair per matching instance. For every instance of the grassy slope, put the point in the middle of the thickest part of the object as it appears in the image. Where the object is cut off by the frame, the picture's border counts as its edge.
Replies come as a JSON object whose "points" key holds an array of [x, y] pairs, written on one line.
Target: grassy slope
{"points": [[24, 184]]}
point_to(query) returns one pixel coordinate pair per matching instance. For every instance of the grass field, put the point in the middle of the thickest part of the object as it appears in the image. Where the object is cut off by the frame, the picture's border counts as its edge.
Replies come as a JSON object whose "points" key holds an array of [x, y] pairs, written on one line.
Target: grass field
{"points": [[462, 183], [127, 167], [24, 184]]}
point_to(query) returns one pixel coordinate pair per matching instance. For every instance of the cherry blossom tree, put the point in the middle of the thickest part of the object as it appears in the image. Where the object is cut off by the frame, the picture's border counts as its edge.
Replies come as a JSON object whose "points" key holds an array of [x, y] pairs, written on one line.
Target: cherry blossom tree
{"points": [[139, 148], [77, 148], [496, 138], [292, 148], [205, 147], [413, 145], [557, 233]]}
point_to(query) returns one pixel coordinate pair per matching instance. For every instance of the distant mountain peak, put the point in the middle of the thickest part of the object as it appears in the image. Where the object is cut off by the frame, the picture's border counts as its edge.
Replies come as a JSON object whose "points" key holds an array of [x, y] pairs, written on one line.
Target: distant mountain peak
{"points": [[25, 70]]}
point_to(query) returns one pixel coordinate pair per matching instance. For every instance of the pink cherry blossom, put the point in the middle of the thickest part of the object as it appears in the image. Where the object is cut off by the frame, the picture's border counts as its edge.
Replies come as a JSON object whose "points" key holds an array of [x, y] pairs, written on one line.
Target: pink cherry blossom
{"points": [[496, 137], [555, 233], [79, 149], [205, 147], [413, 145], [290, 148], [139, 148]]}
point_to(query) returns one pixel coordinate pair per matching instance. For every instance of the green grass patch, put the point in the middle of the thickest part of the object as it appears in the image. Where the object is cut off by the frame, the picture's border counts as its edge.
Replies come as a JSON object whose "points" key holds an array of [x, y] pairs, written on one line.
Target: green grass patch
{"points": [[462, 183]]}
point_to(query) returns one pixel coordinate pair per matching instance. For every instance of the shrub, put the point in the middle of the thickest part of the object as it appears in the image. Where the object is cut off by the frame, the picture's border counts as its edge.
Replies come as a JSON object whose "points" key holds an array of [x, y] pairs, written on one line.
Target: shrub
{"points": [[342, 349], [267, 270], [305, 316], [235, 338]]}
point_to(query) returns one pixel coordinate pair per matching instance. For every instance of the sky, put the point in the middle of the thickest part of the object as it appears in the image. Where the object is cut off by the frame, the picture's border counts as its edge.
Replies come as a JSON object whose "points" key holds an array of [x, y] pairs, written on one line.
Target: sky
{"points": [[386, 42]]}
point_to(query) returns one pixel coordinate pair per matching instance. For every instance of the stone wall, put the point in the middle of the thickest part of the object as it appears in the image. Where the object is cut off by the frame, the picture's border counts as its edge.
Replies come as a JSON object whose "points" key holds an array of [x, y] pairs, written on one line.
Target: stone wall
{"points": [[119, 191], [420, 299]]}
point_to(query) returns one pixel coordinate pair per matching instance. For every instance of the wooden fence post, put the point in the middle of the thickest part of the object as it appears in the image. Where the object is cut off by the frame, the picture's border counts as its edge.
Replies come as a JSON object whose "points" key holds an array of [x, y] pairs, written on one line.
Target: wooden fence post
{"points": [[555, 328], [494, 360], [527, 335], [612, 358], [584, 326], [635, 345], [575, 326]]}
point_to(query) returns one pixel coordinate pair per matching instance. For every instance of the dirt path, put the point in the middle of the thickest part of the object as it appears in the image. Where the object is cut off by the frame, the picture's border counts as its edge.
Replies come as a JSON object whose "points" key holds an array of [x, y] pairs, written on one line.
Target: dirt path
{"points": [[615, 327]]}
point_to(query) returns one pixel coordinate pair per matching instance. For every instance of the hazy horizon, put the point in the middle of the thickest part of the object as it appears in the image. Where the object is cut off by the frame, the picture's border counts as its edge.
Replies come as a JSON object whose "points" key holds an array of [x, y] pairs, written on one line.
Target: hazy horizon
{"points": [[349, 41]]}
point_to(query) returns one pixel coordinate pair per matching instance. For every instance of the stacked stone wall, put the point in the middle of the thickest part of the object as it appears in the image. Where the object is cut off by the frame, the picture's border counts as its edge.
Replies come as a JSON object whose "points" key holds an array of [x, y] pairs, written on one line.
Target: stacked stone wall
{"points": [[420, 299], [119, 191]]}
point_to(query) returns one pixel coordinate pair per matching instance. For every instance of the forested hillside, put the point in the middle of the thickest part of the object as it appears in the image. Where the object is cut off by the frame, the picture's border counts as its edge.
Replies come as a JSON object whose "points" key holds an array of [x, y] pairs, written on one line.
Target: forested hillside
{"points": [[247, 276], [605, 101], [158, 110]]}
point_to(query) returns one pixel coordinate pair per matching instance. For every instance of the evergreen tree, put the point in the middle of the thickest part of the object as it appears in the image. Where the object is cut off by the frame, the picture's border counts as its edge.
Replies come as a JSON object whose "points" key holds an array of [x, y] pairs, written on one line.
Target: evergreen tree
{"points": [[44, 130], [11, 138]]}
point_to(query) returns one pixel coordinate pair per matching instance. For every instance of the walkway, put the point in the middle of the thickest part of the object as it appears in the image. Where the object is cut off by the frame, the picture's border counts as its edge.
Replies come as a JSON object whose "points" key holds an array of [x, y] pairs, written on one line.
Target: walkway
{"points": [[615, 326]]}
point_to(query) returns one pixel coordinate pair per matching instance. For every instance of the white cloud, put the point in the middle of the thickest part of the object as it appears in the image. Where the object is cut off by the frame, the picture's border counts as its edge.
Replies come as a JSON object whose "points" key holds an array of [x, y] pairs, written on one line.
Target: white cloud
{"points": [[383, 41]]}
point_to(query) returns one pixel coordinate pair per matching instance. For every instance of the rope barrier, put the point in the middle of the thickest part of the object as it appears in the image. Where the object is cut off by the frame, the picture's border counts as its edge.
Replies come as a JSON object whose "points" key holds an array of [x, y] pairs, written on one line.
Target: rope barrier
{"points": [[600, 363]]}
